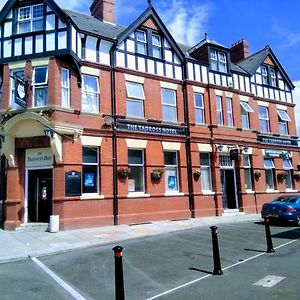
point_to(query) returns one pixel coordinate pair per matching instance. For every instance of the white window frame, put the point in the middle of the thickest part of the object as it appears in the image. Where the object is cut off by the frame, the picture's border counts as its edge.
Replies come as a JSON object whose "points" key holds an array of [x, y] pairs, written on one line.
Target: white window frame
{"points": [[30, 18], [288, 168], [39, 85], [199, 110], [141, 42], [172, 168], [273, 77], [283, 118], [219, 109], [246, 109], [269, 170], [157, 45], [13, 104], [264, 119], [208, 168], [133, 98], [169, 105], [92, 93], [65, 87], [247, 171], [218, 59], [264, 75], [142, 166], [94, 148], [229, 111]]}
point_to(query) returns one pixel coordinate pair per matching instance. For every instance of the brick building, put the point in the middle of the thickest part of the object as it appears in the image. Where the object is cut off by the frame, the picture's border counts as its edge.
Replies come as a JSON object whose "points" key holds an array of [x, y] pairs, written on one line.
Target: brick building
{"points": [[103, 124]]}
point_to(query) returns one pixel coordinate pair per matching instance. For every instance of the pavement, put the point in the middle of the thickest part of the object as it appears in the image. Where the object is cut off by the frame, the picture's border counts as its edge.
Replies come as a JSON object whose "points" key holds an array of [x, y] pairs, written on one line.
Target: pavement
{"points": [[36, 241]]}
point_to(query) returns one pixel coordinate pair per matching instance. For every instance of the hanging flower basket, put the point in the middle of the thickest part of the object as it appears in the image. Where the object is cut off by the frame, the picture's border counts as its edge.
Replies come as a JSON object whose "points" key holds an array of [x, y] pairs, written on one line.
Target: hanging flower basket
{"points": [[124, 172], [281, 176], [297, 176], [157, 174], [257, 174], [196, 174]]}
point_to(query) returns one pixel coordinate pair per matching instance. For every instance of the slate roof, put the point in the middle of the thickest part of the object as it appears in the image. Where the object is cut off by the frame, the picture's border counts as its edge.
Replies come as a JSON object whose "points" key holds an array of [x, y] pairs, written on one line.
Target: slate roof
{"points": [[94, 26]]}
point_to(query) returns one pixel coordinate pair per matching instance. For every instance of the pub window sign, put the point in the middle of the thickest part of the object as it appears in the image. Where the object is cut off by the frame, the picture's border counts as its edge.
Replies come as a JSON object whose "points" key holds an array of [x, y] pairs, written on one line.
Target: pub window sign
{"points": [[20, 92], [73, 183]]}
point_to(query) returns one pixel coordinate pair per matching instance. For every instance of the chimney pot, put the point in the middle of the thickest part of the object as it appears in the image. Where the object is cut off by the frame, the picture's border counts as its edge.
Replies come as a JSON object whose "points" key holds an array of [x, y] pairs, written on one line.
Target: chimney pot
{"points": [[104, 10]]}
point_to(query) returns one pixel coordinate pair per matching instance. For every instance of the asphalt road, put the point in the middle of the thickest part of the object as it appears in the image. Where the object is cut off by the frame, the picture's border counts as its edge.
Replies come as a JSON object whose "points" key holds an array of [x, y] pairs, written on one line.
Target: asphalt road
{"points": [[171, 266]]}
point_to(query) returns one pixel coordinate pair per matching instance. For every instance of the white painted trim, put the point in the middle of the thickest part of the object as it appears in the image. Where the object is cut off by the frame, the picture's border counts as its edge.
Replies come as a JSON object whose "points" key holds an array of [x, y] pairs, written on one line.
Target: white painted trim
{"points": [[208, 193], [169, 194], [171, 146], [263, 103], [40, 62], [90, 71], [249, 151], [204, 147], [138, 144], [244, 98], [92, 196], [168, 85], [138, 195], [17, 65], [281, 107], [198, 89], [272, 191], [133, 78], [218, 93], [90, 140], [228, 94], [249, 192]]}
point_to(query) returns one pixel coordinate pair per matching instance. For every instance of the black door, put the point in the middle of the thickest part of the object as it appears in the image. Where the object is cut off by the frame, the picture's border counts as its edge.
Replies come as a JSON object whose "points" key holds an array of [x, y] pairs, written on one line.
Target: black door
{"points": [[230, 189], [39, 195]]}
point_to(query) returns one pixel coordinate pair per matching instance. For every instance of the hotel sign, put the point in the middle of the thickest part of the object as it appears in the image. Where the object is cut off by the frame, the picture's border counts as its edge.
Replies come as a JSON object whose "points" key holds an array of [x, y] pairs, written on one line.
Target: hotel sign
{"points": [[39, 157], [273, 153], [150, 128], [265, 139]]}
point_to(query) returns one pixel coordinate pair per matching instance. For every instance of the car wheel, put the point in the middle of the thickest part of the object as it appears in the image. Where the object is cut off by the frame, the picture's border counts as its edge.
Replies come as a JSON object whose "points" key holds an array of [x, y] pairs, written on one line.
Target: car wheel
{"points": [[298, 220]]}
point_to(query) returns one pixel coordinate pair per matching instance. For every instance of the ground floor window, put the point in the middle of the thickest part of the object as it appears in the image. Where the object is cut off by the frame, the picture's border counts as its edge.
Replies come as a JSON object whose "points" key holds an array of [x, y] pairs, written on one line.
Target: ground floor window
{"points": [[136, 174], [269, 173], [205, 172], [171, 166], [247, 172], [90, 170], [287, 165]]}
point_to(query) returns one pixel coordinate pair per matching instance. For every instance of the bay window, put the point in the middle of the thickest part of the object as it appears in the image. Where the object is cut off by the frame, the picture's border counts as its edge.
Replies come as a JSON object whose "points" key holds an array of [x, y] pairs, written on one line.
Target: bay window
{"points": [[40, 86], [65, 88]]}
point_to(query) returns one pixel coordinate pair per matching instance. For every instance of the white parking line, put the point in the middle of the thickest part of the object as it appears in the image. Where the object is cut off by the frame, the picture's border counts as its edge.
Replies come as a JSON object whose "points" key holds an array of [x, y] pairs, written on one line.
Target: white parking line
{"points": [[62, 283], [206, 276]]}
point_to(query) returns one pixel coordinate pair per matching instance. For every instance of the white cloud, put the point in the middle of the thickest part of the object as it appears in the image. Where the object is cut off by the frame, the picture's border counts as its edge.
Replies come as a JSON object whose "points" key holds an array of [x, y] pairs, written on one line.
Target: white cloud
{"points": [[289, 38], [296, 96]]}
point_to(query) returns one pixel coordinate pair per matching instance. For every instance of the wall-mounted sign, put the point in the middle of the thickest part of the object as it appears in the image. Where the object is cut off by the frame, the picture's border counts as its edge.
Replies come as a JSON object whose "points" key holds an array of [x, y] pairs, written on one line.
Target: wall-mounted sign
{"points": [[38, 157], [150, 128], [234, 154], [265, 139], [20, 92], [73, 183], [272, 153]]}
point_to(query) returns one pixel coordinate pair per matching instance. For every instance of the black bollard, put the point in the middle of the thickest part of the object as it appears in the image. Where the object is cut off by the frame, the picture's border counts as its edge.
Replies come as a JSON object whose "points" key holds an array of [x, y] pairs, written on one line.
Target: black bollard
{"points": [[119, 280], [268, 236], [217, 263]]}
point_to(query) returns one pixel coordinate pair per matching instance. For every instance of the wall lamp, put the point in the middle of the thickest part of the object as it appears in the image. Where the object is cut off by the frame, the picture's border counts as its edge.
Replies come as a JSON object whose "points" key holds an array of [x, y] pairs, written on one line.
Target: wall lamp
{"points": [[49, 132], [245, 149], [220, 147]]}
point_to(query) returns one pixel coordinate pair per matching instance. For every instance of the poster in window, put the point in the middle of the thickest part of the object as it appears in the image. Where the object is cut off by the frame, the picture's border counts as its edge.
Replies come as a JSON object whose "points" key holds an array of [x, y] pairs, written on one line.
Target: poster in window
{"points": [[73, 183], [131, 185], [89, 179], [172, 182]]}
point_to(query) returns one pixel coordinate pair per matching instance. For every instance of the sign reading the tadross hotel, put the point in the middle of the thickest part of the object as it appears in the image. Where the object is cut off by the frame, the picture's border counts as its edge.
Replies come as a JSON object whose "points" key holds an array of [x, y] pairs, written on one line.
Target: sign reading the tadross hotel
{"points": [[38, 157]]}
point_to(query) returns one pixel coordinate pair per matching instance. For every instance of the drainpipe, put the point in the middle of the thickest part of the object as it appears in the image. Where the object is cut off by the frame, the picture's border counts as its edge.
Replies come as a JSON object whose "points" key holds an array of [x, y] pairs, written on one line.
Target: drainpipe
{"points": [[114, 135], [188, 143], [2, 186]]}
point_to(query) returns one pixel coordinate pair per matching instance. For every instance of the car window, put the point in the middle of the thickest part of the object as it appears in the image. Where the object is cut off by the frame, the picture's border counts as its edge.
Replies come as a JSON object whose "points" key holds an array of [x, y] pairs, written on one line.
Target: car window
{"points": [[290, 199]]}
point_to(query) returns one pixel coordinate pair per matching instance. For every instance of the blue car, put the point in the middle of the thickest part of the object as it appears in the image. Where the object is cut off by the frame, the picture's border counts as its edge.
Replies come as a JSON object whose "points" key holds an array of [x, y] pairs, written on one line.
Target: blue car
{"points": [[283, 208]]}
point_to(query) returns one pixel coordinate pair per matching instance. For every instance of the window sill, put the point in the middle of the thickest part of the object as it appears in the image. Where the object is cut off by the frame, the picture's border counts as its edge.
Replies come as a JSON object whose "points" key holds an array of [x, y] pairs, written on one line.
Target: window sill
{"points": [[168, 194], [291, 191], [90, 113], [208, 193], [272, 191], [91, 197], [137, 195], [249, 192]]}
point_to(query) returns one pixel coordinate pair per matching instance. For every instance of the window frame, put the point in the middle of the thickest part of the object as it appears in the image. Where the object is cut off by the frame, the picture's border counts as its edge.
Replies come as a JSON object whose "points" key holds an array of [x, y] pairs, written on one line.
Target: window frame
{"points": [[218, 59], [219, 109], [94, 148], [208, 168], [269, 171], [65, 88], [229, 111], [86, 92], [141, 42], [40, 85], [199, 109], [171, 168], [13, 104], [289, 170], [142, 166], [166, 105], [264, 119], [159, 46], [30, 19], [247, 172], [135, 99]]}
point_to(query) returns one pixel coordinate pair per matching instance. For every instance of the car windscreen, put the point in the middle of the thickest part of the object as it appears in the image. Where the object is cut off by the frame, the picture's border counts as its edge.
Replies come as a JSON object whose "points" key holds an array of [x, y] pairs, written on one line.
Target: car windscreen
{"points": [[291, 199]]}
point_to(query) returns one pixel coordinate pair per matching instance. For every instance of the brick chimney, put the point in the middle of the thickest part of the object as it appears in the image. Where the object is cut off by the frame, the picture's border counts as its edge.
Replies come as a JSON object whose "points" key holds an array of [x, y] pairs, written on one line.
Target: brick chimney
{"points": [[239, 51], [104, 10]]}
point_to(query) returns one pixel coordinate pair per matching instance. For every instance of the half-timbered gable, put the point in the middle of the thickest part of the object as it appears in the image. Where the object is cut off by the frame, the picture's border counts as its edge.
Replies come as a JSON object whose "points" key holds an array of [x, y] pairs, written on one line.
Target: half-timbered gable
{"points": [[147, 46]]}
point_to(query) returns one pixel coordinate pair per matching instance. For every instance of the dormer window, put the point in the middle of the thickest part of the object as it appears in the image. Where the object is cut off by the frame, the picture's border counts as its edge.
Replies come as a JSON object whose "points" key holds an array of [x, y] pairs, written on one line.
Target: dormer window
{"points": [[141, 42], [156, 43], [218, 61], [30, 18], [273, 80], [264, 75], [268, 76]]}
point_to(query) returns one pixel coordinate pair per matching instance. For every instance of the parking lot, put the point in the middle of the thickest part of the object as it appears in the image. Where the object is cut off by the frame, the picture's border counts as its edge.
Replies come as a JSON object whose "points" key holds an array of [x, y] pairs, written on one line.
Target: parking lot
{"points": [[176, 265]]}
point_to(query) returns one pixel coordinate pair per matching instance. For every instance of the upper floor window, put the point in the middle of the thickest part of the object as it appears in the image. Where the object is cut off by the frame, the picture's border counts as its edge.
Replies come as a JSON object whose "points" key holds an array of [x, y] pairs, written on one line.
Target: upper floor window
{"points": [[245, 110], [229, 111], [156, 46], [283, 118], [135, 99], [30, 18], [273, 79], [90, 94], [65, 88], [40, 86], [264, 75], [268, 76], [218, 61], [199, 108], [14, 74], [263, 119], [141, 42], [219, 110], [169, 108]]}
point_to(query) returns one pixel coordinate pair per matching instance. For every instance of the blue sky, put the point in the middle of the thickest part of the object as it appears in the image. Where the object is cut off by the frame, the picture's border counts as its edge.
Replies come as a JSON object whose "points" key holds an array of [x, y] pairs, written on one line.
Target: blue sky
{"points": [[260, 22]]}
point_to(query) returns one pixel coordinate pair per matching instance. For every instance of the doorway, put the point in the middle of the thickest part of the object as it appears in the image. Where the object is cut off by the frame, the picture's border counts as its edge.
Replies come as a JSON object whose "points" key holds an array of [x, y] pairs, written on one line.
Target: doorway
{"points": [[39, 198]]}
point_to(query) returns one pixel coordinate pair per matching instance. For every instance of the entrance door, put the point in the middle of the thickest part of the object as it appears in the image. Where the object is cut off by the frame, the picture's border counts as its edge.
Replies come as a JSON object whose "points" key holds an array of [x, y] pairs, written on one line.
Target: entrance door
{"points": [[39, 195], [228, 189]]}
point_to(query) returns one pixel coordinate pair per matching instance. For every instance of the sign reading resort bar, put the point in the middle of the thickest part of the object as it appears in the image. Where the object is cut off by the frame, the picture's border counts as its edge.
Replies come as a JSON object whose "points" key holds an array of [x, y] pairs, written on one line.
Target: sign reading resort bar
{"points": [[150, 128], [39, 157], [265, 139]]}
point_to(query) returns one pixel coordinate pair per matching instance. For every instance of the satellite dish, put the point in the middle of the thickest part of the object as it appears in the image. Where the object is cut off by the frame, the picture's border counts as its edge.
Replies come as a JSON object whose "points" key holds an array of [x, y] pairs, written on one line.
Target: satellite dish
{"points": [[108, 120]]}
